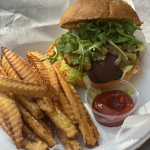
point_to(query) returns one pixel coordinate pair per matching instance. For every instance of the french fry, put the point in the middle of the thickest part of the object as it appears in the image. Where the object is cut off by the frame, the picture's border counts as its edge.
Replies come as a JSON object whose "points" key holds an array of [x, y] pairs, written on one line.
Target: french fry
{"points": [[65, 106], [86, 126], [30, 106], [58, 117], [3, 124], [20, 67], [69, 144], [8, 68], [33, 70], [46, 126], [50, 51], [46, 71], [11, 72], [11, 85], [2, 72], [12, 117], [37, 128], [31, 142], [63, 123], [45, 104]]}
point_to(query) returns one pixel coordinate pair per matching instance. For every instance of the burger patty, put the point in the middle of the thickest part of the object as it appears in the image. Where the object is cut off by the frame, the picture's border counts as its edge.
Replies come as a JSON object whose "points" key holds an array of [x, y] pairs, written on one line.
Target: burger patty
{"points": [[104, 70]]}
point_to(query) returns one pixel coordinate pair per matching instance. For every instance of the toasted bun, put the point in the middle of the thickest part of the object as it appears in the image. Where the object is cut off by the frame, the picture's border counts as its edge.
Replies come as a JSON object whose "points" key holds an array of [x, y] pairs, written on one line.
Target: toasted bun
{"points": [[90, 10]]}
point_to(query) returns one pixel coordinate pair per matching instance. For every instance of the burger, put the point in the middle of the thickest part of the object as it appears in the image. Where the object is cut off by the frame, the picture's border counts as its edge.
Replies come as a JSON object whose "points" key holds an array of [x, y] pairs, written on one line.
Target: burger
{"points": [[99, 48]]}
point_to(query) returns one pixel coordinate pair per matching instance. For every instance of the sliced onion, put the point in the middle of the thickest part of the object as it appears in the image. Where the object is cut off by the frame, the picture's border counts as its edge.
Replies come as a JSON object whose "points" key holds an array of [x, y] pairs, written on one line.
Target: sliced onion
{"points": [[104, 49], [118, 60]]}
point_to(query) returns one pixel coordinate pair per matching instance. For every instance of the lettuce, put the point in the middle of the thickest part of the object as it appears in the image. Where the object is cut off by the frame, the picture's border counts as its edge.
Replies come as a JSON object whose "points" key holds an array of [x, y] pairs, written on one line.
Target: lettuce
{"points": [[129, 91], [132, 57], [126, 69], [71, 72], [94, 92], [87, 81], [139, 47]]}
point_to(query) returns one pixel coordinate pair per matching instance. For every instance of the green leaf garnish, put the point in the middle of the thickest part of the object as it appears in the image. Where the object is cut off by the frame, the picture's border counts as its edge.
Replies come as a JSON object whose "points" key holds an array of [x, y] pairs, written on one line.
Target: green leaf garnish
{"points": [[57, 56], [110, 42], [129, 91]]}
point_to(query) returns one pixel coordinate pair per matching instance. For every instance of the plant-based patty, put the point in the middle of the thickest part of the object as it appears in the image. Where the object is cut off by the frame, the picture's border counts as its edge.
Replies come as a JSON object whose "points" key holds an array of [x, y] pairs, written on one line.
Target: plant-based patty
{"points": [[104, 70]]}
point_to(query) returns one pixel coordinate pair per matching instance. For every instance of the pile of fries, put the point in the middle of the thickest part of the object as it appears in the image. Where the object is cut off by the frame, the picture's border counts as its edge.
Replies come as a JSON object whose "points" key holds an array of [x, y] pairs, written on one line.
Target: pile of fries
{"points": [[36, 98]]}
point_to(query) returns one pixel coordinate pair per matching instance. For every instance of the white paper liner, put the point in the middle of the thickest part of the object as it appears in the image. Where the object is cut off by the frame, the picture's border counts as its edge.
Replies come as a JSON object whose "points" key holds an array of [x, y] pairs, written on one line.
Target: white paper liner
{"points": [[34, 25]]}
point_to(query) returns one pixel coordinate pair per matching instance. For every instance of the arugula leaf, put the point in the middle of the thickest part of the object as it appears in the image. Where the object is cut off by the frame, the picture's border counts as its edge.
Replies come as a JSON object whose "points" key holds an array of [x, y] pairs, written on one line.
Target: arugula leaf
{"points": [[110, 42], [54, 58], [81, 49]]}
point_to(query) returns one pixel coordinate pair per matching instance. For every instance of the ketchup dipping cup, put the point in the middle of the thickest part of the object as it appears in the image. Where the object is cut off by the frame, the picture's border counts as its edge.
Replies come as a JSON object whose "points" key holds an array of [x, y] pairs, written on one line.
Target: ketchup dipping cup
{"points": [[114, 120]]}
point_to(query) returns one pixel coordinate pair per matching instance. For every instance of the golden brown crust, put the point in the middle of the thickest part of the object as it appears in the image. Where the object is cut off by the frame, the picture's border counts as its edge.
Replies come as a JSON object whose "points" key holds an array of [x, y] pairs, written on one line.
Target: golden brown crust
{"points": [[89, 10], [31, 142], [12, 117], [46, 72], [65, 107], [63, 123], [24, 72], [37, 128], [30, 106], [50, 52], [45, 104], [69, 144], [86, 126], [11, 85], [111, 84]]}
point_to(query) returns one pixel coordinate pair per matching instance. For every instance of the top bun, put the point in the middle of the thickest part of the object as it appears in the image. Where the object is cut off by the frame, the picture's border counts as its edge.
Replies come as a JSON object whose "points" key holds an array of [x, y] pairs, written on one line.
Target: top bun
{"points": [[90, 10]]}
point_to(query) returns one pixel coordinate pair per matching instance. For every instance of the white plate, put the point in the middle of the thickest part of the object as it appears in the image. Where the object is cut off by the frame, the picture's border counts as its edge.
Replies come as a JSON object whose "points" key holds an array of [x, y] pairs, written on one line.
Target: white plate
{"points": [[33, 25]]}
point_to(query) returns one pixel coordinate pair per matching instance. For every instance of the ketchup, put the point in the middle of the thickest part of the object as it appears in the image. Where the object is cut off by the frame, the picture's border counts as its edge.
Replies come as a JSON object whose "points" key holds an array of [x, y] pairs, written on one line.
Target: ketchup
{"points": [[115, 102]]}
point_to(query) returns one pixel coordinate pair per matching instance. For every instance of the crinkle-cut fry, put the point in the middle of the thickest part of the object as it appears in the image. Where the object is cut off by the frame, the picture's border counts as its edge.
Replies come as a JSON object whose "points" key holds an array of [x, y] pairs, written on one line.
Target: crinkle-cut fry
{"points": [[12, 118], [3, 124], [11, 85], [69, 144], [66, 107], [63, 123], [37, 128], [31, 142], [50, 51], [30, 106], [46, 126], [2, 72], [19, 66], [45, 104], [33, 70], [11, 72], [46, 71], [8, 68], [88, 129]]}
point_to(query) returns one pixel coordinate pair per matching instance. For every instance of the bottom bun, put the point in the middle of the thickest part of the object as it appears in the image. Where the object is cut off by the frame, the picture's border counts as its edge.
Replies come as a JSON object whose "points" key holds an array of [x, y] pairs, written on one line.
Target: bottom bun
{"points": [[112, 84]]}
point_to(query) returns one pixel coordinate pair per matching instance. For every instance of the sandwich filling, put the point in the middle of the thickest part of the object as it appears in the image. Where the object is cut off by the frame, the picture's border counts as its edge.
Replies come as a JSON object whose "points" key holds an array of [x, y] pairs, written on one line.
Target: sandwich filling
{"points": [[102, 50]]}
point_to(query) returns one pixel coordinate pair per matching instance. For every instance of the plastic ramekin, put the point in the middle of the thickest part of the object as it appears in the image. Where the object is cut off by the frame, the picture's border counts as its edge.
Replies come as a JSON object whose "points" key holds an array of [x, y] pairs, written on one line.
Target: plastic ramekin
{"points": [[114, 120]]}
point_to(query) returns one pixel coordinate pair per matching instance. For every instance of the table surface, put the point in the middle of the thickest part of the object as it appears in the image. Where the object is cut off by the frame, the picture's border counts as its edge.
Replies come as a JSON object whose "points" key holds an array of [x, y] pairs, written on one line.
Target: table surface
{"points": [[142, 8]]}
